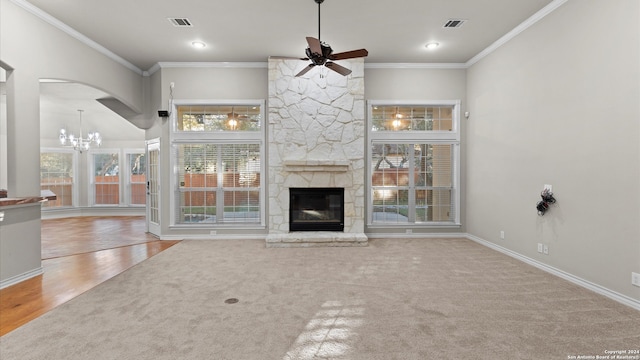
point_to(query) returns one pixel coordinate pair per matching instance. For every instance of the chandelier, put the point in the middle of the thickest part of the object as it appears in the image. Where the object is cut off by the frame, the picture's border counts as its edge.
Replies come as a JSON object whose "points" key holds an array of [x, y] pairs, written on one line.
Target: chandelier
{"points": [[78, 142]]}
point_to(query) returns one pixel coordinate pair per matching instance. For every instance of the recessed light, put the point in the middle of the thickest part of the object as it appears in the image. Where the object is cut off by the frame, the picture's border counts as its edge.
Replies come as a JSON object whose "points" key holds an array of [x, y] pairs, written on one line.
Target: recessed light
{"points": [[432, 45], [198, 44]]}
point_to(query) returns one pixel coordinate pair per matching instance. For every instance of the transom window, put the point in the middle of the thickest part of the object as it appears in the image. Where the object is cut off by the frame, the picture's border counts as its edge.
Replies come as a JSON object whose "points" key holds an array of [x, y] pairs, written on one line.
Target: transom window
{"points": [[412, 118], [414, 164], [196, 118]]}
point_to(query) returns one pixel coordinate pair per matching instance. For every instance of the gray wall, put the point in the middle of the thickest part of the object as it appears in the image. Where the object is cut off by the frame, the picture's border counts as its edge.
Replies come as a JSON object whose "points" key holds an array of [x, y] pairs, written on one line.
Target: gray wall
{"points": [[66, 59], [20, 243], [200, 83], [559, 105]]}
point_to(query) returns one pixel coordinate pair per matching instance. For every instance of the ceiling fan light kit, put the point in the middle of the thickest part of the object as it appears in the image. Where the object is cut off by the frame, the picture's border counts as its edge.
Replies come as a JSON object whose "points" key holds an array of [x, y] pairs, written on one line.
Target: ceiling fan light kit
{"points": [[321, 54]]}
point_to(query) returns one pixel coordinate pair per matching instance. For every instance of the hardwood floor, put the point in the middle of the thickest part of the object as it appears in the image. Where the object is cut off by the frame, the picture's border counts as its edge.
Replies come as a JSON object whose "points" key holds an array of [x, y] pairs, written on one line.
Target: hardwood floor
{"points": [[78, 254], [70, 236]]}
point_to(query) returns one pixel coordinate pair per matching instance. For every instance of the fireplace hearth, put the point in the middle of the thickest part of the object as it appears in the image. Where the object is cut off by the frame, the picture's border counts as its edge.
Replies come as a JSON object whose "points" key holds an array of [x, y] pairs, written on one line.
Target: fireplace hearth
{"points": [[316, 209]]}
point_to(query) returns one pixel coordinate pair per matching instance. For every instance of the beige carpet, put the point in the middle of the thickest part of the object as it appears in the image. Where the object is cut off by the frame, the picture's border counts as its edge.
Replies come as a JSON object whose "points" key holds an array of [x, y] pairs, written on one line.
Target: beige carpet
{"points": [[396, 299]]}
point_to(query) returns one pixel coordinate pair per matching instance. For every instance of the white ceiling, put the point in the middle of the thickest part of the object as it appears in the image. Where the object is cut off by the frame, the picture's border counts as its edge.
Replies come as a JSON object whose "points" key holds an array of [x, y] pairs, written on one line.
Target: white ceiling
{"points": [[252, 30], [140, 34]]}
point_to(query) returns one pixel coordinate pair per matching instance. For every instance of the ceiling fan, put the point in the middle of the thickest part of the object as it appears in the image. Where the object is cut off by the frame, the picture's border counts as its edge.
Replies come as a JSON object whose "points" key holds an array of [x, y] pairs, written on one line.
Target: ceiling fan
{"points": [[320, 53]]}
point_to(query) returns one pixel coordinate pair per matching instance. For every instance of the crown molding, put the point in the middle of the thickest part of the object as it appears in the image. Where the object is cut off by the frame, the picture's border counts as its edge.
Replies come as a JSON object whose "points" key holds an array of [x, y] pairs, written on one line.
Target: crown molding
{"points": [[75, 34], [264, 65], [415, 66], [165, 65], [516, 31]]}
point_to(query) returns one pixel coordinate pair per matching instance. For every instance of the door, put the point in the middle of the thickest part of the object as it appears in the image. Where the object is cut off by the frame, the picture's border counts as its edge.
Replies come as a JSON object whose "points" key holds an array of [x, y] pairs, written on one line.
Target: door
{"points": [[153, 187]]}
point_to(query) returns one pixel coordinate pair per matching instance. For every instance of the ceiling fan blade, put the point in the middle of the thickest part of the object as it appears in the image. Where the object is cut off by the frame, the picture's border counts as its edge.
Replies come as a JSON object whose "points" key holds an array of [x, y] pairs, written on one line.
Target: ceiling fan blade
{"points": [[349, 54], [314, 45], [337, 68], [304, 71], [288, 58]]}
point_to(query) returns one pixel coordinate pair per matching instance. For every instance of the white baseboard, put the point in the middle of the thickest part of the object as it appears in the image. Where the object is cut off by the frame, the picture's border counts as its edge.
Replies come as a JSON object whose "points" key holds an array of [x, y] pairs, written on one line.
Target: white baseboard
{"points": [[415, 235], [221, 237], [21, 277], [47, 214], [623, 299]]}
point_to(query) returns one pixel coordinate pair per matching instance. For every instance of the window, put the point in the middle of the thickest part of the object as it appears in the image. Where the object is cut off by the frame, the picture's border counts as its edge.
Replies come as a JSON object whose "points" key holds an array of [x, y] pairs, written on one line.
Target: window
{"points": [[412, 118], [136, 186], [414, 159], [217, 153], [57, 175], [106, 178], [207, 118], [218, 183]]}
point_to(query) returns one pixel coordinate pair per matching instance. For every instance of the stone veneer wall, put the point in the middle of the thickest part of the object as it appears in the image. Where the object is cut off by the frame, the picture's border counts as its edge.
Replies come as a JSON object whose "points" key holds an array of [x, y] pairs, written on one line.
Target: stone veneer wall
{"points": [[316, 138]]}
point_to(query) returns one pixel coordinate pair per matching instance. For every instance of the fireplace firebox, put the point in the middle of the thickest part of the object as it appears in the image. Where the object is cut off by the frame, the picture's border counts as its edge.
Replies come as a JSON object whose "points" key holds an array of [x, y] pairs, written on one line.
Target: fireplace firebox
{"points": [[316, 209]]}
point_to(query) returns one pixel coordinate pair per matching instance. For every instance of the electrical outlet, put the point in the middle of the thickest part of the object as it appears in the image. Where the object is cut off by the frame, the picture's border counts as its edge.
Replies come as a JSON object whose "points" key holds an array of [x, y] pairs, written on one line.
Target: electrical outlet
{"points": [[545, 250], [409, 231], [635, 279], [502, 234], [540, 248], [549, 187], [213, 232]]}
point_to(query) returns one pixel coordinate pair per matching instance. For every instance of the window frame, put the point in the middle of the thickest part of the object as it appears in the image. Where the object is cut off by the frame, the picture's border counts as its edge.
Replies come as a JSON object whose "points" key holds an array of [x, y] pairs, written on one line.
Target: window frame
{"points": [[412, 137], [75, 191], [126, 177], [91, 193], [177, 137]]}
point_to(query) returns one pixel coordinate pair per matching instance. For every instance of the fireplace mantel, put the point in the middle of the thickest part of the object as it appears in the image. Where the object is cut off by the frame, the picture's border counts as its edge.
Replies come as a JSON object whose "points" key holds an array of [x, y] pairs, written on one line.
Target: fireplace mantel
{"points": [[316, 165]]}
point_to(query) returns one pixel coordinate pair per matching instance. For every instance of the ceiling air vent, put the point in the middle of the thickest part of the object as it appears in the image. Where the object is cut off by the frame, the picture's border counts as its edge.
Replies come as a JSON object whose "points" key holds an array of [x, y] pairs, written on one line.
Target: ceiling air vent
{"points": [[181, 22], [454, 23]]}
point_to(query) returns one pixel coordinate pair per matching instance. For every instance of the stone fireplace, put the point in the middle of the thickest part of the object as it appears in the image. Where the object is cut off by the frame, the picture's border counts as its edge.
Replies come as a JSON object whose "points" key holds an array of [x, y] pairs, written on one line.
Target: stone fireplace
{"points": [[316, 139]]}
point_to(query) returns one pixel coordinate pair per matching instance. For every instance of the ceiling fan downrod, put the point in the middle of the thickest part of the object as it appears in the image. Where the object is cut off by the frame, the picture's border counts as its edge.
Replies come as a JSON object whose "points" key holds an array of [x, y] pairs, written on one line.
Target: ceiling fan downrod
{"points": [[319, 2]]}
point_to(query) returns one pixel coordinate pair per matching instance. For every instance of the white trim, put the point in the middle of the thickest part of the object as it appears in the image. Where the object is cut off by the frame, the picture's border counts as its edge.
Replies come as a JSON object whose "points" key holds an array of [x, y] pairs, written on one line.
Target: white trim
{"points": [[126, 176], [153, 226], [75, 34], [169, 64], [455, 235], [623, 299], [222, 237], [213, 64], [60, 213], [415, 66], [411, 102], [152, 70], [21, 277], [516, 31]]}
